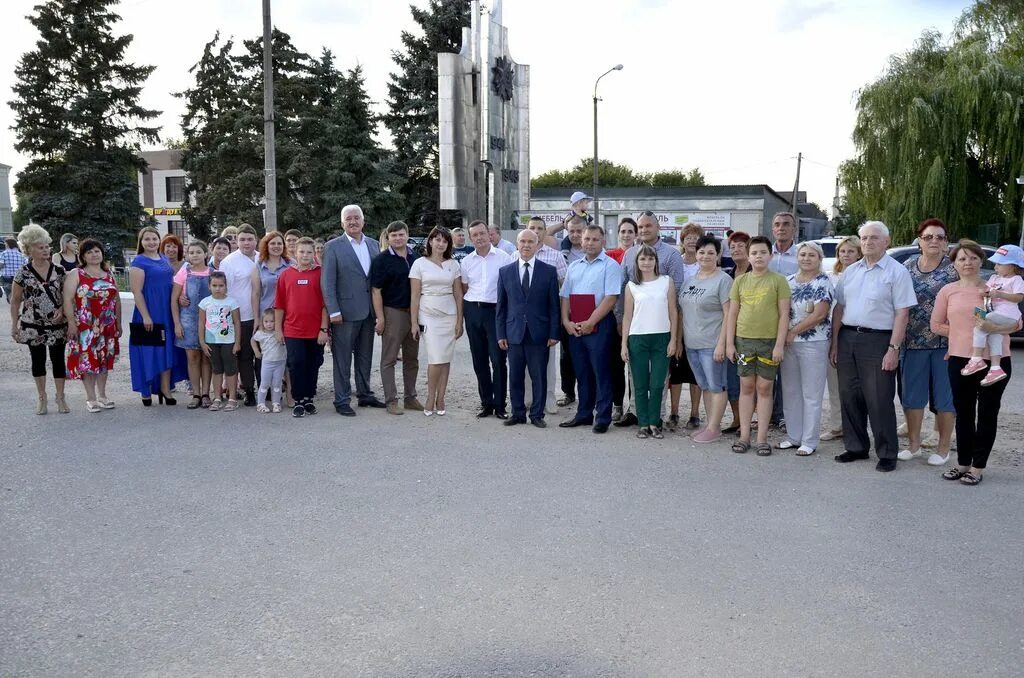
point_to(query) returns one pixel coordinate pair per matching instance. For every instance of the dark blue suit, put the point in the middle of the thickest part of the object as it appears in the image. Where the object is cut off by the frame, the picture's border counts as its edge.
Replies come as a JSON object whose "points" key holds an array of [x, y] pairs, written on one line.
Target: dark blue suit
{"points": [[527, 323]]}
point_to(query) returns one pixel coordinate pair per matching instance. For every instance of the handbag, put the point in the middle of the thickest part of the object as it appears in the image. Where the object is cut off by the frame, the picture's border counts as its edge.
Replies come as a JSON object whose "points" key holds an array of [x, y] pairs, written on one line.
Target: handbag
{"points": [[140, 336]]}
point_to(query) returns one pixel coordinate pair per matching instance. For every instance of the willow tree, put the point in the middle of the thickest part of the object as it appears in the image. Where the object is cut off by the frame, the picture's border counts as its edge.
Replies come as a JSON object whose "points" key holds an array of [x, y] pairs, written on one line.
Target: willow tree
{"points": [[941, 132]]}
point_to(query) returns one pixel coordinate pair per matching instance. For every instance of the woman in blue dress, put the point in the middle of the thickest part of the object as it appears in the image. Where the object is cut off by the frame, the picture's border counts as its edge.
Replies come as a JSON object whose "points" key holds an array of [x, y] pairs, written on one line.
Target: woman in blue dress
{"points": [[151, 277]]}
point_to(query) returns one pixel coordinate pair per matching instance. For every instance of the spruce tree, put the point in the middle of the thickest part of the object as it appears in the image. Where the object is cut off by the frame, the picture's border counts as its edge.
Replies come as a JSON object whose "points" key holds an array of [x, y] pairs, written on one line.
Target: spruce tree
{"points": [[78, 118], [412, 100]]}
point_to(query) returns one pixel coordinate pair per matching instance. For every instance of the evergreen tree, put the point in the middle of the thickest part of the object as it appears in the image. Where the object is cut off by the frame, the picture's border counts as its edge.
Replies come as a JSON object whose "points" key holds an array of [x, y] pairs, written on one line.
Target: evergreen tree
{"points": [[412, 101], [614, 174], [77, 117]]}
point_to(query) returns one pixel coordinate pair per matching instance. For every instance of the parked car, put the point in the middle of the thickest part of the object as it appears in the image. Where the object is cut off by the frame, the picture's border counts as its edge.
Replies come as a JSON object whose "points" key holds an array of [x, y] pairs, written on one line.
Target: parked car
{"points": [[828, 247], [988, 269]]}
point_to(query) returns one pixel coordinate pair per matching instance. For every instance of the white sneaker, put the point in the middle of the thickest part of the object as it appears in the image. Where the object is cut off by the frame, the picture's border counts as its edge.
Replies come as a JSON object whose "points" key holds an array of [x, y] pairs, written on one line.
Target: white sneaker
{"points": [[901, 431], [907, 455], [938, 460]]}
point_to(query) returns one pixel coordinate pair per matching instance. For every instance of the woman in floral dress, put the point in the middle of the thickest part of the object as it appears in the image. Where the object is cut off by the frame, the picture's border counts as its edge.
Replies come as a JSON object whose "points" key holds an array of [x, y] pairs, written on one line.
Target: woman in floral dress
{"points": [[93, 306]]}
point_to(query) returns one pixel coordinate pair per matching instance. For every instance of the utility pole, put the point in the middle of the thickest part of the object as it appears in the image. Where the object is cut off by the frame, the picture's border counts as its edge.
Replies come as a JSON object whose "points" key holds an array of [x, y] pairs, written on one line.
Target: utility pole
{"points": [[796, 188], [597, 211], [270, 166]]}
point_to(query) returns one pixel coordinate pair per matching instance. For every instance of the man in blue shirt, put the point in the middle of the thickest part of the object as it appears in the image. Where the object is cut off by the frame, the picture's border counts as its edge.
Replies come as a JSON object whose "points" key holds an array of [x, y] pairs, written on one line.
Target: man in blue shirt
{"points": [[591, 288], [10, 261]]}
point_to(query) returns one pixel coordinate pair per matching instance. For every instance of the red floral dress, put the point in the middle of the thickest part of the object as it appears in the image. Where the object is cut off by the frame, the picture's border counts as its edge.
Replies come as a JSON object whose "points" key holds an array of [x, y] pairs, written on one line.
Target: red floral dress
{"points": [[97, 347]]}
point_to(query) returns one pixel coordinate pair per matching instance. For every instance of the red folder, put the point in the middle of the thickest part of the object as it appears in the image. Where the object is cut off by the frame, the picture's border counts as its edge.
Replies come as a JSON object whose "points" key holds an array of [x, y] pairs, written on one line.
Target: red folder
{"points": [[581, 307]]}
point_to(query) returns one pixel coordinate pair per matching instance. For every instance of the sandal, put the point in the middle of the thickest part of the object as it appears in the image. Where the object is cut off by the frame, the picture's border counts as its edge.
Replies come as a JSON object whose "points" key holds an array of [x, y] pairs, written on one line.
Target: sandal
{"points": [[231, 406], [786, 445], [764, 450], [657, 433], [196, 402], [673, 422], [971, 479], [216, 405], [205, 404], [262, 408], [276, 408], [804, 451], [92, 406], [954, 474], [741, 447], [644, 433]]}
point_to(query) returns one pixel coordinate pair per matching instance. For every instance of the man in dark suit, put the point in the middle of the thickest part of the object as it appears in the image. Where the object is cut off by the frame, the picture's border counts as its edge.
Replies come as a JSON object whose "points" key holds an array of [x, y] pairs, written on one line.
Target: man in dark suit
{"points": [[345, 280], [527, 319]]}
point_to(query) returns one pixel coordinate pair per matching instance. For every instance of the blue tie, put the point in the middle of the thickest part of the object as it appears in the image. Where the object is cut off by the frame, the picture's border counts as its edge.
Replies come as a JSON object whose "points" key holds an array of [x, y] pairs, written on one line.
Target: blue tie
{"points": [[526, 280]]}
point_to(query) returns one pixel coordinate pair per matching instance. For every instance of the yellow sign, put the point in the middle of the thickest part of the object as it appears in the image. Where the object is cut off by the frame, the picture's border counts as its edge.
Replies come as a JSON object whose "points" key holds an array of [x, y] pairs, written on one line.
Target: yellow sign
{"points": [[163, 211]]}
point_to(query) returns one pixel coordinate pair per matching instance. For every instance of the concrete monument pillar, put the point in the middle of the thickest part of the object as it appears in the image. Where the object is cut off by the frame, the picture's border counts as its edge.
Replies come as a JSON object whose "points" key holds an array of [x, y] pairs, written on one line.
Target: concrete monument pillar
{"points": [[6, 214], [483, 102]]}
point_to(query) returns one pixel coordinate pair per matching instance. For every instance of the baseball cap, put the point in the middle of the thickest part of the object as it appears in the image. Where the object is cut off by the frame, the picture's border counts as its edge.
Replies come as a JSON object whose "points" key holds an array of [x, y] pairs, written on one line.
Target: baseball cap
{"points": [[1008, 254], [577, 196]]}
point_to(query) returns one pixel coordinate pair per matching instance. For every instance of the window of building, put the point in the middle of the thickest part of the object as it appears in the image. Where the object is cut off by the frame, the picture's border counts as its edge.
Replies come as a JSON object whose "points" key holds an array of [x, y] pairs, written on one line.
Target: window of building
{"points": [[175, 189], [179, 229]]}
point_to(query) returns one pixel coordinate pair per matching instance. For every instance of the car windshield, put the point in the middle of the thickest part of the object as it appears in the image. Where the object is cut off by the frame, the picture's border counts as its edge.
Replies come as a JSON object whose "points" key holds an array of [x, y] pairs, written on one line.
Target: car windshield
{"points": [[829, 248]]}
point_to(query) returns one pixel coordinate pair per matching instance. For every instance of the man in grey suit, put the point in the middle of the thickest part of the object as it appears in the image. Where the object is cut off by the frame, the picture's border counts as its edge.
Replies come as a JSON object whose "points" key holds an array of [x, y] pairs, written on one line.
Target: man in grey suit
{"points": [[345, 280]]}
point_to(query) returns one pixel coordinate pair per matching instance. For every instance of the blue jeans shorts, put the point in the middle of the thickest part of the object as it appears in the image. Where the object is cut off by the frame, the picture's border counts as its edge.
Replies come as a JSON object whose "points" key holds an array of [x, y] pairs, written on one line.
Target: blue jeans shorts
{"points": [[925, 375], [711, 376]]}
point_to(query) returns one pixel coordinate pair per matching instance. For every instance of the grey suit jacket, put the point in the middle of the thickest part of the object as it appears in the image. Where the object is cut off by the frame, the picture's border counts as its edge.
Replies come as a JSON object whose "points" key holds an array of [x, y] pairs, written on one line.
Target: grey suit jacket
{"points": [[346, 288]]}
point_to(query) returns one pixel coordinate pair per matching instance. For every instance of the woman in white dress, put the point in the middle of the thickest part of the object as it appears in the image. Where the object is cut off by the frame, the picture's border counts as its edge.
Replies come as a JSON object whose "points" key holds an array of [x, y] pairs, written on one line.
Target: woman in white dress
{"points": [[436, 301]]}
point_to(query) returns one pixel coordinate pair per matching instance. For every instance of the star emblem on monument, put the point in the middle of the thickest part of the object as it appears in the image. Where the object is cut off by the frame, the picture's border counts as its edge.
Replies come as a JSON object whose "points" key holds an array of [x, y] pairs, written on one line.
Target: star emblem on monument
{"points": [[503, 78]]}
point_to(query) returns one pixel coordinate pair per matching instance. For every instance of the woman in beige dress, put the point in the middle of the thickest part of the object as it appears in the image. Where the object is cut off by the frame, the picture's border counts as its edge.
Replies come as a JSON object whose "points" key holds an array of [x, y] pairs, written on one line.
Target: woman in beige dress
{"points": [[436, 301]]}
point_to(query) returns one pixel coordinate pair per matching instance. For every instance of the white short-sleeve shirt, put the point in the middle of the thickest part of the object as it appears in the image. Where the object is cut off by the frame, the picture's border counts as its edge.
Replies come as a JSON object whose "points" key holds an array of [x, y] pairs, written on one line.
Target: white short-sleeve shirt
{"points": [[871, 295]]}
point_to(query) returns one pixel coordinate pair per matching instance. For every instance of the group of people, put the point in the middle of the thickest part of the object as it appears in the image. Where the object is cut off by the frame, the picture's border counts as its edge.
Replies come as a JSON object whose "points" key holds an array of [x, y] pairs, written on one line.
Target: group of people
{"points": [[768, 334]]}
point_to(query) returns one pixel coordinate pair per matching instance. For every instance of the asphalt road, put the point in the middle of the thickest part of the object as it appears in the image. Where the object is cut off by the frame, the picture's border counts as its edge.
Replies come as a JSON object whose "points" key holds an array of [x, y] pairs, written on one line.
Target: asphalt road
{"points": [[166, 542]]}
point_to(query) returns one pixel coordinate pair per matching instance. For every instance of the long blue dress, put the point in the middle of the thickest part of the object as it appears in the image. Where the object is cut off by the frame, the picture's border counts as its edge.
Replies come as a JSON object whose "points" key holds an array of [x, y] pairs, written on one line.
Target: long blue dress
{"points": [[147, 362]]}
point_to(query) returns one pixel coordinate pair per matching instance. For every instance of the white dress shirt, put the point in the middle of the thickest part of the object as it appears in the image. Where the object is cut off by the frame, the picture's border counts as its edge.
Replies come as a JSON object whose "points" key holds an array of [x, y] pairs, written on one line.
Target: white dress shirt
{"points": [[480, 274], [522, 268], [362, 252], [551, 256], [871, 295]]}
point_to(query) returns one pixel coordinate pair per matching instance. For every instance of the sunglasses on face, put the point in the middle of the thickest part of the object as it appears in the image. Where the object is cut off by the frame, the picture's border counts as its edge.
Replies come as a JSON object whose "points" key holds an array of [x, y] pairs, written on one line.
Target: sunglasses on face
{"points": [[930, 237]]}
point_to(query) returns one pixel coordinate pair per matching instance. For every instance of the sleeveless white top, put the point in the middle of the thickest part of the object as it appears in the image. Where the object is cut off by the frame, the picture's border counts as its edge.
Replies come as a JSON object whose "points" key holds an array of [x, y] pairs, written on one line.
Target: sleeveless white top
{"points": [[650, 307]]}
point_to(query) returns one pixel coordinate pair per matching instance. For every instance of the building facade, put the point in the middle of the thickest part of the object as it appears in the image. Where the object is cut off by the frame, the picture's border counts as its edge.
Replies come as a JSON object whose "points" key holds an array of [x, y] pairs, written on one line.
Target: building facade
{"points": [[716, 208], [162, 191], [6, 211]]}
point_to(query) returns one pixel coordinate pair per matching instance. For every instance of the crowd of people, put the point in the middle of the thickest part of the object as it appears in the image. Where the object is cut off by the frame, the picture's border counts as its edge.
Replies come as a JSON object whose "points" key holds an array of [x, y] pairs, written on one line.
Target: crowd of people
{"points": [[244, 321]]}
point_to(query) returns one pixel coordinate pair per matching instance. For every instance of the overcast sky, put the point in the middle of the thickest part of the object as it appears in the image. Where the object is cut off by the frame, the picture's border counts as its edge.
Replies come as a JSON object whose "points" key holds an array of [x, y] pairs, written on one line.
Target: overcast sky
{"points": [[736, 88]]}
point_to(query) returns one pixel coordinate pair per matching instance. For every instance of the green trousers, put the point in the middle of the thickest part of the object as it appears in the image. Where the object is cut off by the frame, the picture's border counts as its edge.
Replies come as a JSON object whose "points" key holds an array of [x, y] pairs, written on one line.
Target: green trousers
{"points": [[648, 361]]}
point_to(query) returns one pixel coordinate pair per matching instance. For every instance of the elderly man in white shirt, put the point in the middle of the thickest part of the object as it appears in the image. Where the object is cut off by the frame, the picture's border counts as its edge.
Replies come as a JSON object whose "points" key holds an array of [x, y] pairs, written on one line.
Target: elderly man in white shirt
{"points": [[873, 300], [479, 304]]}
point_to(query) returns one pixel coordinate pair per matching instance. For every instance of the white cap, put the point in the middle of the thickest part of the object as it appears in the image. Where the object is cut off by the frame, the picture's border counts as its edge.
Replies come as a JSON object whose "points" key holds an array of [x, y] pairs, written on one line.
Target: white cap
{"points": [[577, 196]]}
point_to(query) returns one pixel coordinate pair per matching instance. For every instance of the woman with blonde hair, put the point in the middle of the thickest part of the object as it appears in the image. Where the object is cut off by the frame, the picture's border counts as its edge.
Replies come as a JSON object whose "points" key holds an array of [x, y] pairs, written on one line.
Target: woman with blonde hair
{"points": [[848, 252], [37, 313], [67, 258]]}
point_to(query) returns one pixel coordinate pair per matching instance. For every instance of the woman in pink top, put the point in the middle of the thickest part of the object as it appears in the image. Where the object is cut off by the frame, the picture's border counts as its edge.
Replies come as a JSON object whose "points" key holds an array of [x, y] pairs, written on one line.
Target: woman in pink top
{"points": [[977, 407]]}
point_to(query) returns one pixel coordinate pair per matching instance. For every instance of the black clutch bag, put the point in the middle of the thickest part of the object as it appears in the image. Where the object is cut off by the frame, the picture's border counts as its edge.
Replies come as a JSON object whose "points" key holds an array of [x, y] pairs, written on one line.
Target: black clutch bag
{"points": [[140, 336]]}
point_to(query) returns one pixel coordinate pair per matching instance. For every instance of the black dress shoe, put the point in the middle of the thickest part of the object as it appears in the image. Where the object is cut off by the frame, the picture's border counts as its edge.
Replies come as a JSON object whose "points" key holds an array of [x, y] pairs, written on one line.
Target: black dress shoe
{"points": [[628, 419], [847, 457], [885, 465], [484, 413], [539, 423], [345, 410], [512, 421], [600, 428], [573, 423], [502, 415], [372, 402]]}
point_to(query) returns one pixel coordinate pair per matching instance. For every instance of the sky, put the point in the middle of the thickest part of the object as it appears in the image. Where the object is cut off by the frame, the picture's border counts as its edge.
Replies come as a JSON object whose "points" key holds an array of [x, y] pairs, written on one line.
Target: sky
{"points": [[736, 88]]}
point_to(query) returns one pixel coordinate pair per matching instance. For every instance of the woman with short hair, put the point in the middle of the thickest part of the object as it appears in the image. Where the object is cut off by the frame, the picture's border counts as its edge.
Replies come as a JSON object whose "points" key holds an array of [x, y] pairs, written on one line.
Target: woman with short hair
{"points": [[67, 258], [848, 252], [37, 313], [805, 367], [92, 305], [923, 360], [977, 406], [172, 248]]}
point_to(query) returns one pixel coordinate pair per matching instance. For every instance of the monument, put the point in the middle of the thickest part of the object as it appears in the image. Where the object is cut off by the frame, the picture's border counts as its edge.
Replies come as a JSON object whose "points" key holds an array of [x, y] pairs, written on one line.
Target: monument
{"points": [[483, 103], [6, 215]]}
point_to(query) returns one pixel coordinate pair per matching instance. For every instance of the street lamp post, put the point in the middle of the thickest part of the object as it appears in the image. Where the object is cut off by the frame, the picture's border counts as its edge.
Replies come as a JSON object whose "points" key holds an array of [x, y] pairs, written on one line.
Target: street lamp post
{"points": [[617, 67]]}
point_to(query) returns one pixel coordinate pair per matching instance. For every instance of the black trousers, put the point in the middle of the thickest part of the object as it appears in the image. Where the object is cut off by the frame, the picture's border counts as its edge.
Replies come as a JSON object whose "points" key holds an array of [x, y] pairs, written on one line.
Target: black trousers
{"points": [[56, 352], [305, 356], [867, 392], [567, 372], [246, 358], [489, 361], [977, 411]]}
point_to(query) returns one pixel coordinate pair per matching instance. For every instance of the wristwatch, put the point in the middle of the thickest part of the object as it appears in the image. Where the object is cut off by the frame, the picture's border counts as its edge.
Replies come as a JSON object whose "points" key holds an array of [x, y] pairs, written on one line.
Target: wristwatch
{"points": [[894, 347], [323, 329]]}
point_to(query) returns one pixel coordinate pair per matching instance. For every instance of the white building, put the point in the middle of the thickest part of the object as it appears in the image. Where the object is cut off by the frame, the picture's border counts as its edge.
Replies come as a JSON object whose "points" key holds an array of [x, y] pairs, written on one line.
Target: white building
{"points": [[162, 191], [6, 214]]}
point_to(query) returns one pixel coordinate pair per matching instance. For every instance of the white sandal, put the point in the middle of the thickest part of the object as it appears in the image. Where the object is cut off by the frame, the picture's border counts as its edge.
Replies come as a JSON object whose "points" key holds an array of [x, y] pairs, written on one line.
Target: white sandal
{"points": [[92, 406]]}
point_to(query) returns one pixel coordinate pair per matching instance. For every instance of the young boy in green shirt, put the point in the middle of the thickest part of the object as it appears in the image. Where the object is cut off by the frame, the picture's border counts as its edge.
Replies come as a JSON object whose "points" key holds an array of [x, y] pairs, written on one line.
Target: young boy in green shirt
{"points": [[756, 339]]}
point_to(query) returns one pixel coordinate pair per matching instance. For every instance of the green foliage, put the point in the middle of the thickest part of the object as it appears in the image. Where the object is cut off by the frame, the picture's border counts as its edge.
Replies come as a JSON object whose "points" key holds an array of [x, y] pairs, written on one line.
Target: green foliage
{"points": [[325, 149], [941, 133], [77, 118], [412, 106], [615, 175]]}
